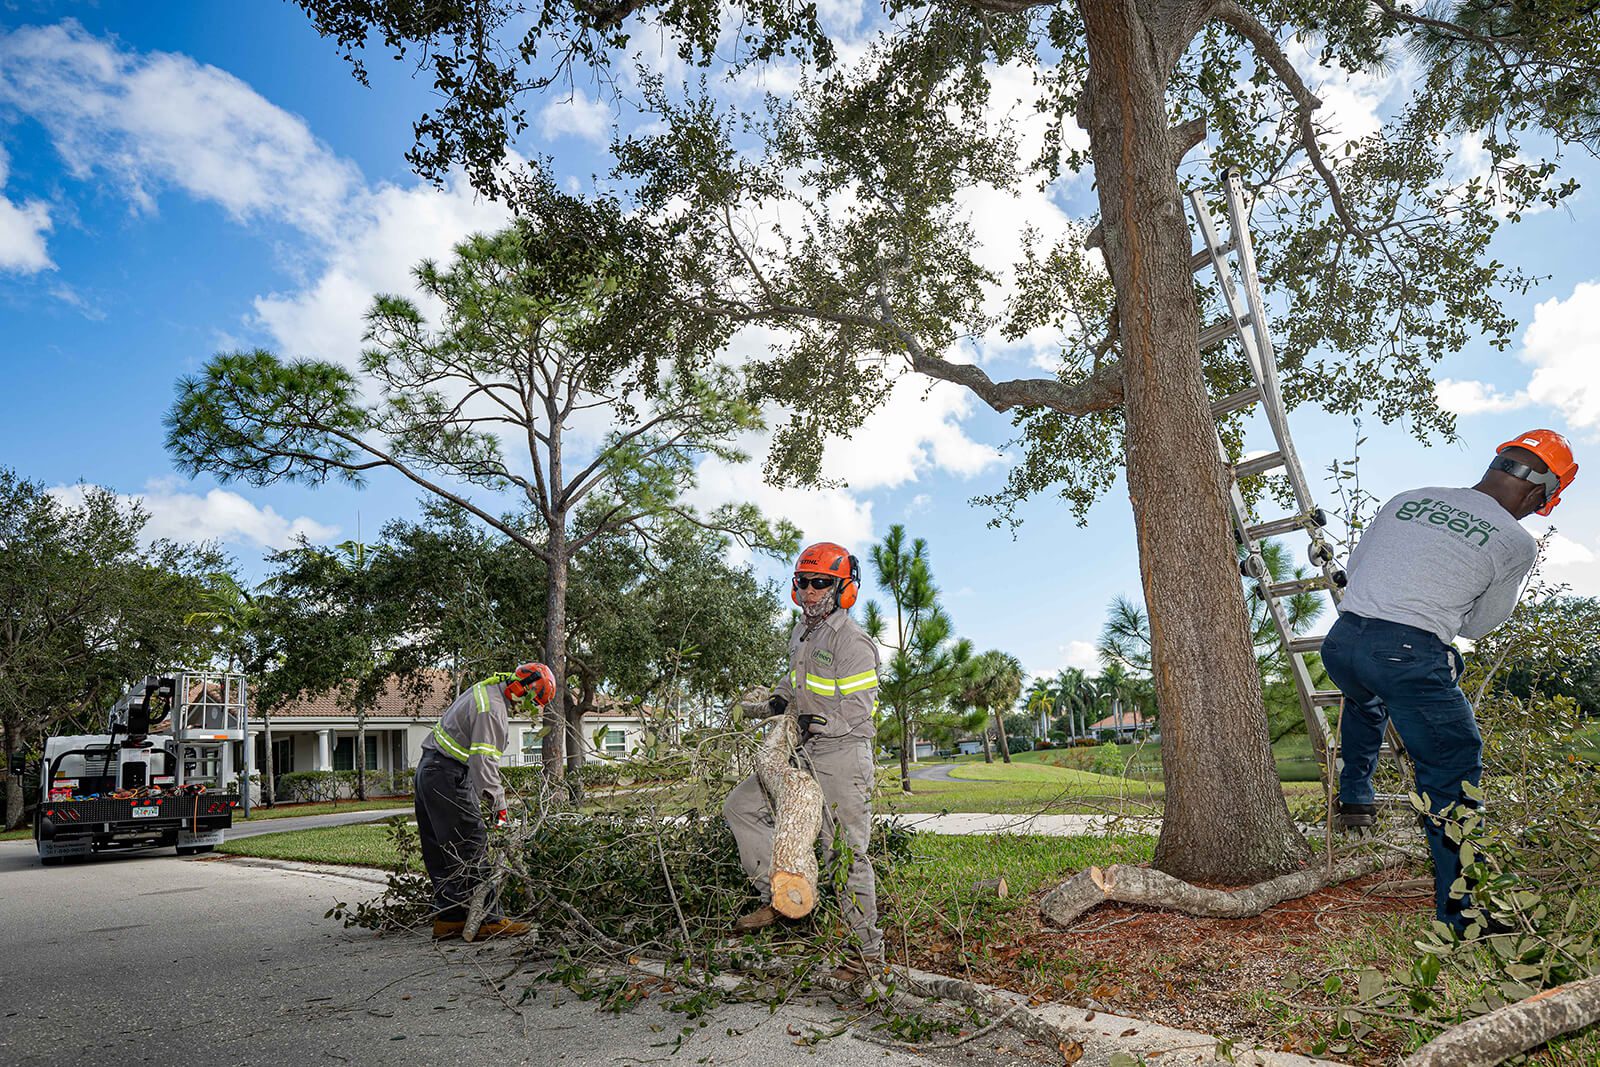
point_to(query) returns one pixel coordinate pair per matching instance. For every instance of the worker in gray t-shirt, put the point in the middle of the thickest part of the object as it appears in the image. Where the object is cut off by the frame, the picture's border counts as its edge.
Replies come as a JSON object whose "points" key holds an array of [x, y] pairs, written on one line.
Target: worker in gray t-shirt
{"points": [[1435, 563]]}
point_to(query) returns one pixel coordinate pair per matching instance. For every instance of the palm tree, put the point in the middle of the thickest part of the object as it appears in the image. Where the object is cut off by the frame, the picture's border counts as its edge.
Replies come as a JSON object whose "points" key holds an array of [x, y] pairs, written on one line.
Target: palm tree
{"points": [[993, 684], [1040, 699]]}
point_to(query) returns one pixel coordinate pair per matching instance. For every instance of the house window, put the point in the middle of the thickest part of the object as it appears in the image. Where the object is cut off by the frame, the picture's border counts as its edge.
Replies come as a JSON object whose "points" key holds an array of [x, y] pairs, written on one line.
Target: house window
{"points": [[615, 743], [344, 754], [530, 745]]}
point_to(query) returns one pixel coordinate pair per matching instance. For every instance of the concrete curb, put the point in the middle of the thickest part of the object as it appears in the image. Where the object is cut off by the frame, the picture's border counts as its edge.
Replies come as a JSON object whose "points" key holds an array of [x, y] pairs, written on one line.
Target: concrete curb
{"points": [[364, 875]]}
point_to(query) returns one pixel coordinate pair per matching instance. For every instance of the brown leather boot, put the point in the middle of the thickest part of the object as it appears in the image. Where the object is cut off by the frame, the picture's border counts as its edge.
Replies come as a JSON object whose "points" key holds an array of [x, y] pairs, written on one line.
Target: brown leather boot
{"points": [[444, 929], [759, 919], [499, 928]]}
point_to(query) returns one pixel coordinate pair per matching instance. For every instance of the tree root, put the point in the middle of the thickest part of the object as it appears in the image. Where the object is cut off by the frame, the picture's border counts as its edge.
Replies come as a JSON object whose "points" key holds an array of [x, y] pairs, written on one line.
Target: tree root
{"points": [[1125, 884], [1516, 1028]]}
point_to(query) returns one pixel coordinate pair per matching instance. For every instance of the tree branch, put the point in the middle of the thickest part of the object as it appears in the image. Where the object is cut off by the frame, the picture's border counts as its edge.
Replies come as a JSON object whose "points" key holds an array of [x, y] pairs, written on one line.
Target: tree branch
{"points": [[1306, 102]]}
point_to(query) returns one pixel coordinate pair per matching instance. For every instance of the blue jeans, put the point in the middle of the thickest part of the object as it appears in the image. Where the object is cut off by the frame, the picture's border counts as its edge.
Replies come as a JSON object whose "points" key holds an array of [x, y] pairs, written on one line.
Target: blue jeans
{"points": [[1391, 672]]}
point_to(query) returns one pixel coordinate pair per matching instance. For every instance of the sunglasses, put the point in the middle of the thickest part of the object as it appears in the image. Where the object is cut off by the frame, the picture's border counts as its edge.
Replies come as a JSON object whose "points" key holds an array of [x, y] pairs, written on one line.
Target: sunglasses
{"points": [[813, 583]]}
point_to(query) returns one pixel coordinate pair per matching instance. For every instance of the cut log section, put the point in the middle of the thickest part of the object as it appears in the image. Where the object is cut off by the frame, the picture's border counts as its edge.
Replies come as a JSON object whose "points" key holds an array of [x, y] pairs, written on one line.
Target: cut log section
{"points": [[1067, 902], [1513, 1029], [796, 801]]}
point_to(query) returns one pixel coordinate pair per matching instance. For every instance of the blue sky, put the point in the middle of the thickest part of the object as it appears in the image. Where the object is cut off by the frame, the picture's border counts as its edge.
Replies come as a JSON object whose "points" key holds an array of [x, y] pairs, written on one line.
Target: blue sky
{"points": [[184, 178]]}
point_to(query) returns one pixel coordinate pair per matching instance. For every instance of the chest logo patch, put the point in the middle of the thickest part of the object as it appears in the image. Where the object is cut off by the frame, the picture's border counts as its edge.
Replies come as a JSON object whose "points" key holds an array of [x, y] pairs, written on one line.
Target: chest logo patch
{"points": [[823, 657]]}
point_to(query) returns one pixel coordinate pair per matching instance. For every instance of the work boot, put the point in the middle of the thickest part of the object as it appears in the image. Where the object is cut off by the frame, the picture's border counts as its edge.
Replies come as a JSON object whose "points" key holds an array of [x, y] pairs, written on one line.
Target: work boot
{"points": [[759, 919], [500, 928], [1354, 816], [444, 929]]}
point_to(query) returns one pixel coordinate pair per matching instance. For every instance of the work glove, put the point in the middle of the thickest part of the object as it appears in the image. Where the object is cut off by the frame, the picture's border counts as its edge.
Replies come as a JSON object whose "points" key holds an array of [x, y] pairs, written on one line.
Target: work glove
{"points": [[811, 726], [501, 817], [756, 704]]}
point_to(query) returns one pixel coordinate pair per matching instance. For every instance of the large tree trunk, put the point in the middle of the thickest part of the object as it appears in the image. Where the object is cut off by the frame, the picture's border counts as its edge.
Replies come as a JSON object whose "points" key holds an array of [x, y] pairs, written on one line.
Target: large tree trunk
{"points": [[1225, 818], [361, 755], [1000, 731], [988, 755], [552, 751], [269, 792], [796, 801], [13, 745]]}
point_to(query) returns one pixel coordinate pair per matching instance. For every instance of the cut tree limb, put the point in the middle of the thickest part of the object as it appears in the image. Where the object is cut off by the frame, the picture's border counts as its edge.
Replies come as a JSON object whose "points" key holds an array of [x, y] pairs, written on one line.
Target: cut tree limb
{"points": [[1513, 1029], [796, 801], [1067, 902]]}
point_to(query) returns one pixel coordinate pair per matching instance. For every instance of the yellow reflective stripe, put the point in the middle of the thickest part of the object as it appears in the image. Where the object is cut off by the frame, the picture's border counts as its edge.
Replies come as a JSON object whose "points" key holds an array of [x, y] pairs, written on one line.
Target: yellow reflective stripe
{"points": [[448, 743], [824, 686], [857, 682], [480, 696], [483, 748]]}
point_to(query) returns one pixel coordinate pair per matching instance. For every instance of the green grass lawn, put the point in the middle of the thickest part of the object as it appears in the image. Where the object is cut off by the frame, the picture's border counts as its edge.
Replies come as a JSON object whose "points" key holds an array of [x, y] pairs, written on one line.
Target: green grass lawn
{"points": [[22, 834], [360, 845], [290, 811]]}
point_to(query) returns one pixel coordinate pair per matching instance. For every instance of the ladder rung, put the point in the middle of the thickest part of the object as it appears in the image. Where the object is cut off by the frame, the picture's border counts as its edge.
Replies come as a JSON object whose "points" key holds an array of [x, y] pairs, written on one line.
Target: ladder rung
{"points": [[1259, 465], [1277, 526], [1326, 697], [1297, 585], [1400, 799], [1305, 644], [1218, 332], [1242, 399], [1202, 259]]}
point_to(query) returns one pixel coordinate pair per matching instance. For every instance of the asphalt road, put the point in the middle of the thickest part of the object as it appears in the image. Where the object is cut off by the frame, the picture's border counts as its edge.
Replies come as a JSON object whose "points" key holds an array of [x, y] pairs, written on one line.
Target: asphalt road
{"points": [[151, 958]]}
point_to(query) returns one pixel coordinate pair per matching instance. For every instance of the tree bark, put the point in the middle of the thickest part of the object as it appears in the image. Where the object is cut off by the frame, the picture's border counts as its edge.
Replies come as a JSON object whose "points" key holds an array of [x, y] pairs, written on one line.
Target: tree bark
{"points": [[796, 801], [1225, 818], [906, 741], [13, 744], [1513, 1029], [361, 755], [988, 755], [552, 749], [269, 792], [1000, 732], [1067, 902]]}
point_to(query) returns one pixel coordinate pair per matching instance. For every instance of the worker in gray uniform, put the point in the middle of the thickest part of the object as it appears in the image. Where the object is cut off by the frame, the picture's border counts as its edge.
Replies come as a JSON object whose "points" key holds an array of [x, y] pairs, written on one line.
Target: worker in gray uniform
{"points": [[458, 771], [1435, 563], [832, 688]]}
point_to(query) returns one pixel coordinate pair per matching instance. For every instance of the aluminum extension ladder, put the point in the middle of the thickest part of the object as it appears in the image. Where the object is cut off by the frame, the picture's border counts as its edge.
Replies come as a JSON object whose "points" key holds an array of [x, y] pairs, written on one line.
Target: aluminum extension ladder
{"points": [[1245, 321]]}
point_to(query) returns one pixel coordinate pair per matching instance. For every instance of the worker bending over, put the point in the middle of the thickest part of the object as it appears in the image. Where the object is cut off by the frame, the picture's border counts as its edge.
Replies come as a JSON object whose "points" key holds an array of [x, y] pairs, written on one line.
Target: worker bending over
{"points": [[459, 769], [832, 687], [1435, 563]]}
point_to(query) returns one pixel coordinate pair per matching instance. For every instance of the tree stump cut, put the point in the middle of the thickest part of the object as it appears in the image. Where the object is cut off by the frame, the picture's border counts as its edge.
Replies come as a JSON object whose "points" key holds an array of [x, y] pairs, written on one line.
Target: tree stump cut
{"points": [[796, 801]]}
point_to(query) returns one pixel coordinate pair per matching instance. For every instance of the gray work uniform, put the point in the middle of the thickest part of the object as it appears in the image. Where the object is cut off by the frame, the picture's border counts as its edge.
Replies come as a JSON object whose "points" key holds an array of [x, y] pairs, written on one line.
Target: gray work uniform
{"points": [[833, 672], [460, 766]]}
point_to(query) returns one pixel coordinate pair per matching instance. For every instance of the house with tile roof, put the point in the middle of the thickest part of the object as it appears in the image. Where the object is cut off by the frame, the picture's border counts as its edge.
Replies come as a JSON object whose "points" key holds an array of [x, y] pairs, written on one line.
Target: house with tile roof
{"points": [[317, 732]]}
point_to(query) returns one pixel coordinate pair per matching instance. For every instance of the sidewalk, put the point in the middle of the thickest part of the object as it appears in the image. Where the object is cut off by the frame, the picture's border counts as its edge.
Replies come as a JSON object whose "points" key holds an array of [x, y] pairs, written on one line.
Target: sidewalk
{"points": [[977, 824]]}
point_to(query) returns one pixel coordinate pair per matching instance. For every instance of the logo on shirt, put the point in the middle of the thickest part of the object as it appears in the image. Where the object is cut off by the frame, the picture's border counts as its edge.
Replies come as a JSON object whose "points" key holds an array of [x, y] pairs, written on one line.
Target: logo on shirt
{"points": [[1456, 520], [822, 656]]}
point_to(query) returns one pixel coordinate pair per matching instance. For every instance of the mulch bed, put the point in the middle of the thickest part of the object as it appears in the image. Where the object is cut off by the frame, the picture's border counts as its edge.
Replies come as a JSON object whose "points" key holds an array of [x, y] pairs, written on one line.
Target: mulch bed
{"points": [[1177, 969]]}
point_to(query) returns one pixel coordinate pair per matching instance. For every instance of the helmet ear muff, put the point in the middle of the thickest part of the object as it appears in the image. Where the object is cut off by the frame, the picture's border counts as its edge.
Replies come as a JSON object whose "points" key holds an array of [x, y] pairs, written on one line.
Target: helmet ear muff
{"points": [[850, 588]]}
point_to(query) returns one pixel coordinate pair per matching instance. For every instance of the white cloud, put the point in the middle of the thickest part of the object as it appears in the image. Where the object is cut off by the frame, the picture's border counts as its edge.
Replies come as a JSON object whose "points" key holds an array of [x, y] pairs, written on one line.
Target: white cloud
{"points": [[22, 230], [1476, 398], [1080, 654], [917, 430], [1563, 551], [218, 515], [145, 122], [578, 116], [384, 239], [1562, 343], [821, 514]]}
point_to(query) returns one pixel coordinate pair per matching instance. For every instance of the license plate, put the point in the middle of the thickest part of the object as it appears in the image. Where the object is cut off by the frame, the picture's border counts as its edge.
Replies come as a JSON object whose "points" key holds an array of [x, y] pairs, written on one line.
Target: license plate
{"points": [[146, 813]]}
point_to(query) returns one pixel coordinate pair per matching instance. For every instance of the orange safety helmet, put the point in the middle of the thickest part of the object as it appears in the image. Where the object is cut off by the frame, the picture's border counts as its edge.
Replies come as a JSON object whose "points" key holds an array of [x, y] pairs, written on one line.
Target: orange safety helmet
{"points": [[832, 561], [1557, 455], [535, 680]]}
